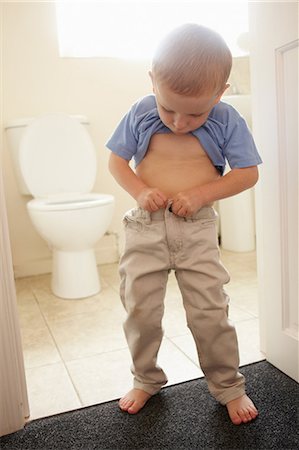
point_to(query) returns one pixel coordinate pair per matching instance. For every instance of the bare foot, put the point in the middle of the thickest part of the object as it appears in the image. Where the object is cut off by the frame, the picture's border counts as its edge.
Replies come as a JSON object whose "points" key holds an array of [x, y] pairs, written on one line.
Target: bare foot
{"points": [[241, 410], [134, 401]]}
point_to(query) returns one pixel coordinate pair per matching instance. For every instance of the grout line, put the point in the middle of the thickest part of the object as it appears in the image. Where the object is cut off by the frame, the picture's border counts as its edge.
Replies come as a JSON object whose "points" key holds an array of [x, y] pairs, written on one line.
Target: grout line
{"points": [[182, 351], [58, 349]]}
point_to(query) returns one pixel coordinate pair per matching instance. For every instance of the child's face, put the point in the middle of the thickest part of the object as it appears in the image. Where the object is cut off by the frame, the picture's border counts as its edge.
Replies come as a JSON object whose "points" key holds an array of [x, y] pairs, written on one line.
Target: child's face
{"points": [[181, 113]]}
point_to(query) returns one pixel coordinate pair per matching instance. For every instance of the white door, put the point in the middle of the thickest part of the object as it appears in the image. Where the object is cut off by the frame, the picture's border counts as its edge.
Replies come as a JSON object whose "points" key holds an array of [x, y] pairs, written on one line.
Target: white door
{"points": [[274, 69]]}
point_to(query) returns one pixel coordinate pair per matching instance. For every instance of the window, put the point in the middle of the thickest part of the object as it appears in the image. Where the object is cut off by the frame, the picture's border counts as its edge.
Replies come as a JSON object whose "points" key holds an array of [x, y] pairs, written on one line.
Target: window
{"points": [[132, 29]]}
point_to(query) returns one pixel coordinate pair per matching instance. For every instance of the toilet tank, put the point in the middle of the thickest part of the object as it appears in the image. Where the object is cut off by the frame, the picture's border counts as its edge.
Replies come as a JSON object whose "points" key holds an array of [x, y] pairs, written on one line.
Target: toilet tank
{"points": [[14, 131]]}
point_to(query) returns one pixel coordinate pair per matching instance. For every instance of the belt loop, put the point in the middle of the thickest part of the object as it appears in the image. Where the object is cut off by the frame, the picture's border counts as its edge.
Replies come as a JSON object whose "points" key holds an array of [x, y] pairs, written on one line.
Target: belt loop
{"points": [[147, 217], [143, 215]]}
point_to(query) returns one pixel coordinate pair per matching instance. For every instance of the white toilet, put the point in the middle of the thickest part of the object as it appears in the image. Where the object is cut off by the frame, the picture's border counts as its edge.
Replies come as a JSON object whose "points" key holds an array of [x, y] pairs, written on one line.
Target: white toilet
{"points": [[56, 163]]}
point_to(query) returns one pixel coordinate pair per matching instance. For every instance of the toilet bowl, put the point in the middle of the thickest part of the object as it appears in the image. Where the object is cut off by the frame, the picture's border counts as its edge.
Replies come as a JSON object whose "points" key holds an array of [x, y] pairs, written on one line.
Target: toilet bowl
{"points": [[56, 163]]}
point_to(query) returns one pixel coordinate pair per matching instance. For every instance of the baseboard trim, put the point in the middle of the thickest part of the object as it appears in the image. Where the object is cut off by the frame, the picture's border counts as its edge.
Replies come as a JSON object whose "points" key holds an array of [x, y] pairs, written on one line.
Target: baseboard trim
{"points": [[106, 253]]}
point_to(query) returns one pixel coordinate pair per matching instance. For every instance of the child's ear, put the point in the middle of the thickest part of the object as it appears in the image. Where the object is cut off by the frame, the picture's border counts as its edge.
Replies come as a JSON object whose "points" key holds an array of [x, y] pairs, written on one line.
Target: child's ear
{"points": [[152, 78], [221, 92], [225, 88]]}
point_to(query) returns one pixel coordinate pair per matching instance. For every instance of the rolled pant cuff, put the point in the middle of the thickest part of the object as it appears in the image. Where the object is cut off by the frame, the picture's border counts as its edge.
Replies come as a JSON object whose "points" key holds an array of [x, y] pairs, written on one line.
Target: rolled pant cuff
{"points": [[152, 390], [232, 394]]}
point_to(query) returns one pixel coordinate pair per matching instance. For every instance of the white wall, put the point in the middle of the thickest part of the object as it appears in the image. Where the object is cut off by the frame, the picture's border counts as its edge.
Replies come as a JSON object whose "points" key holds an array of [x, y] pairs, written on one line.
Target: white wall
{"points": [[36, 80]]}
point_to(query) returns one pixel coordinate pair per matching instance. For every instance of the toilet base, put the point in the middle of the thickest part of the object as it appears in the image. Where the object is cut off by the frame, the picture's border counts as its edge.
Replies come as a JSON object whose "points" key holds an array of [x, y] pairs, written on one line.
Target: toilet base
{"points": [[75, 274]]}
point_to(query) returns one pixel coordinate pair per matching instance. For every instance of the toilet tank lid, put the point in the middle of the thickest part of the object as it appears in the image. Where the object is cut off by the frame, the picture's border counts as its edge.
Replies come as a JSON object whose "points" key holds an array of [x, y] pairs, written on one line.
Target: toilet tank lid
{"points": [[24, 121], [57, 156]]}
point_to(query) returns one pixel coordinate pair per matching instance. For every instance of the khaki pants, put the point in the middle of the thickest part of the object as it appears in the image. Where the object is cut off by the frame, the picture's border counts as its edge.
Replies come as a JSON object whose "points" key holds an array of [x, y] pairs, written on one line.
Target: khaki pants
{"points": [[155, 244]]}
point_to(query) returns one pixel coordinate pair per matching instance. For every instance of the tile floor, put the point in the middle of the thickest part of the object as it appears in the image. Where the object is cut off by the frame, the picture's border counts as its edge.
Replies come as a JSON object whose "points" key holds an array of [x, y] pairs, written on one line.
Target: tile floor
{"points": [[75, 351]]}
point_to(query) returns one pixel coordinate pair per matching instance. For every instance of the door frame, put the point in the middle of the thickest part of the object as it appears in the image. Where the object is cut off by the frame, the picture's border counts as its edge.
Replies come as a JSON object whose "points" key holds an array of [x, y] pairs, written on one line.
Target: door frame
{"points": [[14, 406]]}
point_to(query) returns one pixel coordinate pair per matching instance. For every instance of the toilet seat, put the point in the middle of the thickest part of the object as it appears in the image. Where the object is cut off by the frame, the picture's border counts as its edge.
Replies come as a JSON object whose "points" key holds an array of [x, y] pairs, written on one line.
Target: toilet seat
{"points": [[67, 203], [57, 157]]}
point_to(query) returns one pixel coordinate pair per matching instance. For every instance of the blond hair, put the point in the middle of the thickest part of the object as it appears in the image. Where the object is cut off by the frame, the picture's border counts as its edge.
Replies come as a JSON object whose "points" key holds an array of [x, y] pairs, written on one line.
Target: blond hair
{"points": [[192, 60]]}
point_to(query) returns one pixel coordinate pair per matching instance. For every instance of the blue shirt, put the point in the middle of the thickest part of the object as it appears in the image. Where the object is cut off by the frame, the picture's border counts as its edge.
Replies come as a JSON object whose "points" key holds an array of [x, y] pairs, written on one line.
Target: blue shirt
{"points": [[224, 136]]}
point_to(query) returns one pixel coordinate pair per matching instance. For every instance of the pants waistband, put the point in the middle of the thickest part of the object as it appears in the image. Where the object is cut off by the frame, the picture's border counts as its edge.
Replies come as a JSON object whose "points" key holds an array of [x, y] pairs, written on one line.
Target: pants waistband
{"points": [[206, 212]]}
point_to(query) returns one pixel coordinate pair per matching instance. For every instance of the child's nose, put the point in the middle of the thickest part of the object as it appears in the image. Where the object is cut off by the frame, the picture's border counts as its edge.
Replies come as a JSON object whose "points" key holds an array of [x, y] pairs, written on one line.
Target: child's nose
{"points": [[179, 121]]}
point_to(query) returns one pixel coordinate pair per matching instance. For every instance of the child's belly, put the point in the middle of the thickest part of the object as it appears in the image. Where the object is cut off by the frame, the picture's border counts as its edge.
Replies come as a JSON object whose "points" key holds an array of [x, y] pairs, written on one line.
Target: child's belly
{"points": [[176, 163]]}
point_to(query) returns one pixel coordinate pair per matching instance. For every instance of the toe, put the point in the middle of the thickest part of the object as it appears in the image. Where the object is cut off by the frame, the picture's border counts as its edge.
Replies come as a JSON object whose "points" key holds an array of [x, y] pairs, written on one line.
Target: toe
{"points": [[125, 403], [134, 408], [236, 419], [253, 413], [245, 416]]}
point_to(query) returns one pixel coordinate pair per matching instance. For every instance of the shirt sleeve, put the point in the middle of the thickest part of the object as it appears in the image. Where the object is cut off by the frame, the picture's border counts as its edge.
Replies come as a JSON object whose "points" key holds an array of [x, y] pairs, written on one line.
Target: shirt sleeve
{"points": [[124, 140], [239, 148]]}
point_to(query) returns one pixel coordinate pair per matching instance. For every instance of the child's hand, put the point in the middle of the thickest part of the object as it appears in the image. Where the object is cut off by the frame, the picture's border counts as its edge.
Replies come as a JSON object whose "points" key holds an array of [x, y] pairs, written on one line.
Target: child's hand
{"points": [[151, 199], [186, 203]]}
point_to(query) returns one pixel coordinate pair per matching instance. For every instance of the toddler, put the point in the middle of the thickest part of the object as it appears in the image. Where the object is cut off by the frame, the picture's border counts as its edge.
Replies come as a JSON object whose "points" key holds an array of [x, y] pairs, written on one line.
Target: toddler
{"points": [[180, 138]]}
